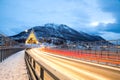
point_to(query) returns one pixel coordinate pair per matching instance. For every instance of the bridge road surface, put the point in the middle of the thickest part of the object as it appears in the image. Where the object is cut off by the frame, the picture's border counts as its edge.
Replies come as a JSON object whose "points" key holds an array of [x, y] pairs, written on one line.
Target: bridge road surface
{"points": [[76, 69], [14, 68]]}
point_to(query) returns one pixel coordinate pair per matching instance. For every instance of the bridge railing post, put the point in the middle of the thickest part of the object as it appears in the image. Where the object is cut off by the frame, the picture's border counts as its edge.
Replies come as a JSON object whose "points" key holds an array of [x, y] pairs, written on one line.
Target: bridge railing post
{"points": [[41, 73]]}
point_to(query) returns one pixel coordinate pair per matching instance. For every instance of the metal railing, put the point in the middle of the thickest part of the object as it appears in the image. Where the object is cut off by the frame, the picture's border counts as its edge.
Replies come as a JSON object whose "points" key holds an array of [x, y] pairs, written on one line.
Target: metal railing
{"points": [[8, 47], [102, 52], [38, 70], [6, 52]]}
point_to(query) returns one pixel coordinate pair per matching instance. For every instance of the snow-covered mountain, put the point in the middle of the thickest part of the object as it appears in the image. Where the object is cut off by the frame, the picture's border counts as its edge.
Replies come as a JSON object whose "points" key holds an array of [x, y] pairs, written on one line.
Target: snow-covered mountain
{"points": [[53, 31]]}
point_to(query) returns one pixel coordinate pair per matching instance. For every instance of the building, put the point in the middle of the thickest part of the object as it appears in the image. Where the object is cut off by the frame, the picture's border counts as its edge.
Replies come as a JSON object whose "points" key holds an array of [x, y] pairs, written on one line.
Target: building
{"points": [[6, 41], [2, 40], [32, 39]]}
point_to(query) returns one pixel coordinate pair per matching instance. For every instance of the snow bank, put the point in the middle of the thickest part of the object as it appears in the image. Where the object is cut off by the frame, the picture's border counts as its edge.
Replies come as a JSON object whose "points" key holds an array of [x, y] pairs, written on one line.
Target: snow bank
{"points": [[14, 68]]}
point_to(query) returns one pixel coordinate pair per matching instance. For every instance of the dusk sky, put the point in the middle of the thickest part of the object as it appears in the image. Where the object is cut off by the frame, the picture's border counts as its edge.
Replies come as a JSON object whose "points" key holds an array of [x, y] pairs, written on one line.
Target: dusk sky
{"points": [[98, 17]]}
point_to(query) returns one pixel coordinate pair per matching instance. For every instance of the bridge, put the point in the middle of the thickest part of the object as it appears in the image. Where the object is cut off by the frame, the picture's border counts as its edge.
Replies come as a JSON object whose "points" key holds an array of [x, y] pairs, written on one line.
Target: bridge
{"points": [[49, 66], [79, 61]]}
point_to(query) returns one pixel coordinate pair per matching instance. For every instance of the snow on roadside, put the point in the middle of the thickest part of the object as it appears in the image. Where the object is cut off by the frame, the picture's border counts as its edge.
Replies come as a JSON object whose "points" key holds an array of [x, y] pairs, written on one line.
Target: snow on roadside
{"points": [[14, 68]]}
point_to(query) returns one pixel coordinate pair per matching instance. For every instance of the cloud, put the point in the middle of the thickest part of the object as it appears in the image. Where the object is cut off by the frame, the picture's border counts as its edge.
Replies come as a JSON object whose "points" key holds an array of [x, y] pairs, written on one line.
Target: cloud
{"points": [[113, 6], [91, 16], [113, 28], [109, 28]]}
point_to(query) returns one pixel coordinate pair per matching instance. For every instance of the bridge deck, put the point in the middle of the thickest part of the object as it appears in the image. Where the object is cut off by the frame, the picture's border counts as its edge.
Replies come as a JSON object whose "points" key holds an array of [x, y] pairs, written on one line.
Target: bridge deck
{"points": [[14, 68], [74, 69]]}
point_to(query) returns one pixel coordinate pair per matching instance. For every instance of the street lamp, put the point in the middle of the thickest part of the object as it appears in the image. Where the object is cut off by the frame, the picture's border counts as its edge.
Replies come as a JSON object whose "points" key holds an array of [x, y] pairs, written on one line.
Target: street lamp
{"points": [[26, 30]]}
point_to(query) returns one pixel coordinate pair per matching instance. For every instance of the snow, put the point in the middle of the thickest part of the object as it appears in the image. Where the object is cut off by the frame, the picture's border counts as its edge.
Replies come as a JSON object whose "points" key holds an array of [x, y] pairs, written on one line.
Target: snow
{"points": [[14, 68]]}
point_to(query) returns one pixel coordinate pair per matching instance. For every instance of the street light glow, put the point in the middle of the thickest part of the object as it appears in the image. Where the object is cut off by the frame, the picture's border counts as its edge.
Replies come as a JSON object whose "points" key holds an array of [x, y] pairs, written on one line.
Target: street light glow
{"points": [[26, 30]]}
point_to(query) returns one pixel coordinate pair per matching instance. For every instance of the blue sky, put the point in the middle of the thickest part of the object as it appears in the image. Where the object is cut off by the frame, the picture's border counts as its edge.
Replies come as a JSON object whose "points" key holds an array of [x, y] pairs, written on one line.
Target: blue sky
{"points": [[99, 17]]}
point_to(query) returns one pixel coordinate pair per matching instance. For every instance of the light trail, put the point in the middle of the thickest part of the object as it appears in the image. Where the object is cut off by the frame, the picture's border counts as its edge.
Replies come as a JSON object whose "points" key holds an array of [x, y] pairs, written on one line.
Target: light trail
{"points": [[104, 58], [76, 70]]}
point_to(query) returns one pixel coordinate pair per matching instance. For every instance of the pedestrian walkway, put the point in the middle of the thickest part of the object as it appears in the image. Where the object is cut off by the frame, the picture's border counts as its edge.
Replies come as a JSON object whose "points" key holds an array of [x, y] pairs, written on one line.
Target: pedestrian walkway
{"points": [[14, 68]]}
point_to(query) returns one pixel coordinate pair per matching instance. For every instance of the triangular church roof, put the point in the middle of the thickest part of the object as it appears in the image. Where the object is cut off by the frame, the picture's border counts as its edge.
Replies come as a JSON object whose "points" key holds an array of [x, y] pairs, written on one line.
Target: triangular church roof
{"points": [[32, 39]]}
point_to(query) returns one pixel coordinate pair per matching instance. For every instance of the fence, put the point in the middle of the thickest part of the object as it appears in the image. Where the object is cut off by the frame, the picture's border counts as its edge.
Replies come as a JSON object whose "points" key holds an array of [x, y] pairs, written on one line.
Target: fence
{"points": [[39, 70], [8, 47], [102, 52], [6, 52]]}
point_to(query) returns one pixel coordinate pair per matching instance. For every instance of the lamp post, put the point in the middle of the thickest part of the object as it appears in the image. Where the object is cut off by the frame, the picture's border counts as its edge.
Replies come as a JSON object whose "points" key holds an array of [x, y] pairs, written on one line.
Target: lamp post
{"points": [[26, 33]]}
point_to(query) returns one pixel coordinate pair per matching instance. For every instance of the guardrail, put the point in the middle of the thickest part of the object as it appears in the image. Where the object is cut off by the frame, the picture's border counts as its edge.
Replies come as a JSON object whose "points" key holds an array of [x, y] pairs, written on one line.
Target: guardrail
{"points": [[6, 52], [38, 70]]}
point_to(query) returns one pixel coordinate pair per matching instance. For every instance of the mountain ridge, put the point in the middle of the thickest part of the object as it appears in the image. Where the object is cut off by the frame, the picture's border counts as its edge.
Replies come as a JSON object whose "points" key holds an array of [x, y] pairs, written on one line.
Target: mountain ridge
{"points": [[59, 31]]}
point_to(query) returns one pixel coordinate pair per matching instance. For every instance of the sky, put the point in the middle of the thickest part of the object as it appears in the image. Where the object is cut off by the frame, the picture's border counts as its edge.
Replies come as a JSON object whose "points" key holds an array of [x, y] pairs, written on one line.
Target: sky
{"points": [[96, 17]]}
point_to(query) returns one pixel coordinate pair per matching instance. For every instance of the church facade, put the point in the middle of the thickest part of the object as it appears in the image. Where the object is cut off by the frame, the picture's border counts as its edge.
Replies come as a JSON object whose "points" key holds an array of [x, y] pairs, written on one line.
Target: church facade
{"points": [[32, 39]]}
